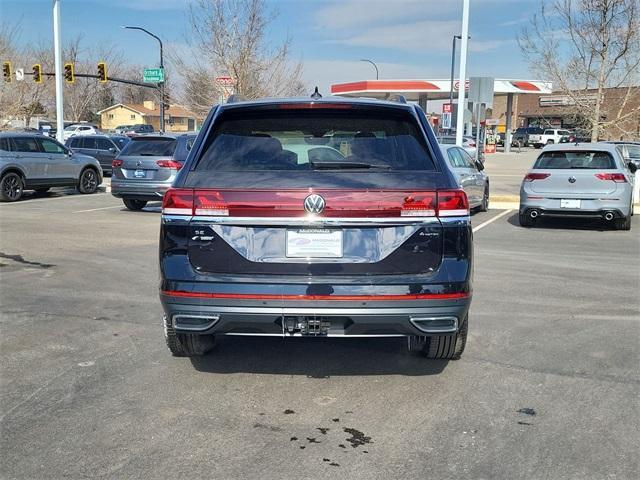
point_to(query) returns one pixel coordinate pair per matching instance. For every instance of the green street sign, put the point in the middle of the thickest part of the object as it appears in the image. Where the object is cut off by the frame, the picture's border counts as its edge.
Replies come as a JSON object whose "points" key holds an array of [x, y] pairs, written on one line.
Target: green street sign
{"points": [[153, 75]]}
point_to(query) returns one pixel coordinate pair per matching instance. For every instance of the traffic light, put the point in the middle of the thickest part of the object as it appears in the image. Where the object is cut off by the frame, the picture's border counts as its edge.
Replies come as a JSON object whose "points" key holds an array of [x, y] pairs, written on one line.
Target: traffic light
{"points": [[6, 71], [102, 72], [37, 73], [68, 72]]}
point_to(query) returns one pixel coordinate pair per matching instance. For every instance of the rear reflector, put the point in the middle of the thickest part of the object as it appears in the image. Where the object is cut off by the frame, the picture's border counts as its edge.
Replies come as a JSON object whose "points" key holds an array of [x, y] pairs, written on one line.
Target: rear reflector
{"points": [[614, 177], [173, 164], [116, 163], [338, 203], [352, 298], [530, 177]]}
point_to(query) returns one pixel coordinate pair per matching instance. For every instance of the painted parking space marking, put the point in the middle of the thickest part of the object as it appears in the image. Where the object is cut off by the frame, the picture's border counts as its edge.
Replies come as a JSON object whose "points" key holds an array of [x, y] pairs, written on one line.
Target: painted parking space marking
{"points": [[96, 209], [491, 220]]}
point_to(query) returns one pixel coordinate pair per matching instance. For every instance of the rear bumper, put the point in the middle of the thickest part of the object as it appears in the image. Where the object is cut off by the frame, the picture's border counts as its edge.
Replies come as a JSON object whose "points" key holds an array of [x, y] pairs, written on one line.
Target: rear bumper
{"points": [[620, 206], [384, 318], [139, 190]]}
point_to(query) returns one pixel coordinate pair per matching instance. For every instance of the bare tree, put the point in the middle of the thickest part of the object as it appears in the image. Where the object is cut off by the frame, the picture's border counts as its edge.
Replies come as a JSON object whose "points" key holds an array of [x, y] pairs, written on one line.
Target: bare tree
{"points": [[228, 37], [585, 47]]}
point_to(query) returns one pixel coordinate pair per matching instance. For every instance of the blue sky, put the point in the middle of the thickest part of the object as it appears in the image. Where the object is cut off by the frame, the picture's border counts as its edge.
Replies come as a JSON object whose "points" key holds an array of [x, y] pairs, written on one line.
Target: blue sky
{"points": [[406, 38]]}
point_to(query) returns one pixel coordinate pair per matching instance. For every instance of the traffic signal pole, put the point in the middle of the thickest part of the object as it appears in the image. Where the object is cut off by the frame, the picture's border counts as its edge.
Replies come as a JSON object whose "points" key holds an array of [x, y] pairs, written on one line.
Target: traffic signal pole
{"points": [[57, 52]]}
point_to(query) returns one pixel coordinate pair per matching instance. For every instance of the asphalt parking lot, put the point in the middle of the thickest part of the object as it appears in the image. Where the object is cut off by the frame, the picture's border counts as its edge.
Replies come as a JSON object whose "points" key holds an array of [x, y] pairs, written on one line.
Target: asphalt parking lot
{"points": [[548, 387]]}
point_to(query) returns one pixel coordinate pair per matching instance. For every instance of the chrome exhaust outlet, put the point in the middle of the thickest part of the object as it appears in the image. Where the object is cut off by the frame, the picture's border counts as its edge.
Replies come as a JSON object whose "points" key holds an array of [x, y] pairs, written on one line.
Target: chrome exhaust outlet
{"points": [[608, 216], [534, 214], [435, 325], [186, 321]]}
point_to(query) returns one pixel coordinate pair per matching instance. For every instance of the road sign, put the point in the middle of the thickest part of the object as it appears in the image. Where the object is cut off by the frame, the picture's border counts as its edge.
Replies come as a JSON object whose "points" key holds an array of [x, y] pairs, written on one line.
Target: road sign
{"points": [[446, 108], [19, 74], [446, 120], [153, 75], [481, 90], [225, 81]]}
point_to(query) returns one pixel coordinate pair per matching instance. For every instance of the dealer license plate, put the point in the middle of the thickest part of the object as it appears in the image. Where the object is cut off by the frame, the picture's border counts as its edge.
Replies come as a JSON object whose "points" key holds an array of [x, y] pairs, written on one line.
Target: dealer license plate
{"points": [[569, 203], [314, 243], [139, 174]]}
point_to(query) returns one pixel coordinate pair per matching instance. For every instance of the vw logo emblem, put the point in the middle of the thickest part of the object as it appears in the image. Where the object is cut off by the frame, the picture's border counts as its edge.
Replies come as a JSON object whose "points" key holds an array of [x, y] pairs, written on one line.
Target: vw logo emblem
{"points": [[572, 179], [314, 203], [139, 163]]}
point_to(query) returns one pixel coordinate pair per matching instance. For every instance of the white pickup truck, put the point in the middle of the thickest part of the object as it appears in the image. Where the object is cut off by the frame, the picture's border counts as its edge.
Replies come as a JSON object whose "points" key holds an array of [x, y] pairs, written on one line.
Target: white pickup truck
{"points": [[547, 137]]}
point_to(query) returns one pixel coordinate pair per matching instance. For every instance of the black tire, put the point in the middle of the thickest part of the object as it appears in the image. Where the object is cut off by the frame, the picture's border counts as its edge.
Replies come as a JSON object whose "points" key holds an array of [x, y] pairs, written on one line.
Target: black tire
{"points": [[484, 206], [41, 191], [132, 204], [623, 223], [440, 347], [526, 220], [550, 142], [11, 187], [88, 182], [187, 344]]}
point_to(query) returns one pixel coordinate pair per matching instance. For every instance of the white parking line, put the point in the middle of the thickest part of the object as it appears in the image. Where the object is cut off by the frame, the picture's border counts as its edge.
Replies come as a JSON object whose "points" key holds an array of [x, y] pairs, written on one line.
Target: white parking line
{"points": [[482, 225], [96, 209], [28, 201]]}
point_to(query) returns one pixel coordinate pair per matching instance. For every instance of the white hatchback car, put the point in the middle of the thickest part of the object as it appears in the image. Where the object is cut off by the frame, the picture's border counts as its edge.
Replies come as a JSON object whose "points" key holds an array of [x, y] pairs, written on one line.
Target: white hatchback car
{"points": [[79, 129]]}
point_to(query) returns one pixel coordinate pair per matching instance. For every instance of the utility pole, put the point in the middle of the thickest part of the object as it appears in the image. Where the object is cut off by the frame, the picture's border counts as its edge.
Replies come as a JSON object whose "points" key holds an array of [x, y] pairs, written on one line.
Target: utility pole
{"points": [[57, 52], [463, 72], [372, 63]]}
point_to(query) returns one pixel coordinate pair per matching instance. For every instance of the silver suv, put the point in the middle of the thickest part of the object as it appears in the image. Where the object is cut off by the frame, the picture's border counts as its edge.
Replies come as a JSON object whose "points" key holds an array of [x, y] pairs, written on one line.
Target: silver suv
{"points": [[147, 166], [35, 162]]}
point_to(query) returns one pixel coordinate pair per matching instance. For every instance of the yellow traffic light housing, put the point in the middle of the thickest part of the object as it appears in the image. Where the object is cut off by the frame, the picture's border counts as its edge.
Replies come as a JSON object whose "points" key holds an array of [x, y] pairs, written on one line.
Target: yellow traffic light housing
{"points": [[68, 72], [6, 71], [37, 73], [102, 72]]}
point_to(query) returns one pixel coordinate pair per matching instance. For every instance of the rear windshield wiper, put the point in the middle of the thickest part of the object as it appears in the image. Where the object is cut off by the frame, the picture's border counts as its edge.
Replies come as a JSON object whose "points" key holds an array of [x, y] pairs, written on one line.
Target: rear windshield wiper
{"points": [[320, 165]]}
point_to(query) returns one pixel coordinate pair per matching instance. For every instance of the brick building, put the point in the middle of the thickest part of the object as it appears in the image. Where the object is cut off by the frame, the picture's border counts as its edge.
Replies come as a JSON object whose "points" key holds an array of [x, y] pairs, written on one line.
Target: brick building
{"points": [[558, 110]]}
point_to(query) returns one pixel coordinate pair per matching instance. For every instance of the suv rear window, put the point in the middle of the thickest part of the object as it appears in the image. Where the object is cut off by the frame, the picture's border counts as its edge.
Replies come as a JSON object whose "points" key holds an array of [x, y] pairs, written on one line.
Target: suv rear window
{"points": [[588, 160], [151, 147], [305, 139]]}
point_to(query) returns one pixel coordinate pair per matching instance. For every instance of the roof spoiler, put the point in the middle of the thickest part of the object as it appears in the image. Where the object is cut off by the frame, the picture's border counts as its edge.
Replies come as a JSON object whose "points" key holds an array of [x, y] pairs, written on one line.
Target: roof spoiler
{"points": [[397, 98], [235, 98]]}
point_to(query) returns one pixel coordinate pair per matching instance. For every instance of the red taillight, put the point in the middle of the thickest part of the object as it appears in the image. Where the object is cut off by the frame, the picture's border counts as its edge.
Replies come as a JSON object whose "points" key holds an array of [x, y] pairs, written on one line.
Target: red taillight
{"points": [[530, 177], [614, 177], [452, 203], [178, 201], [173, 164], [116, 163], [313, 105], [421, 204], [339, 203], [209, 202]]}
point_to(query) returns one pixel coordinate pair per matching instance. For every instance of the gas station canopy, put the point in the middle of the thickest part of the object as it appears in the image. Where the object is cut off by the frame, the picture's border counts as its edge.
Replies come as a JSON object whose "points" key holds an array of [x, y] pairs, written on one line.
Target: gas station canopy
{"points": [[417, 90]]}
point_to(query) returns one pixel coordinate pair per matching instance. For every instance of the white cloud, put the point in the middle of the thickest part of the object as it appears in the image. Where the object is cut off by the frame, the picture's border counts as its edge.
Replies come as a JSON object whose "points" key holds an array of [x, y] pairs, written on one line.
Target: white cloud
{"points": [[433, 35]]}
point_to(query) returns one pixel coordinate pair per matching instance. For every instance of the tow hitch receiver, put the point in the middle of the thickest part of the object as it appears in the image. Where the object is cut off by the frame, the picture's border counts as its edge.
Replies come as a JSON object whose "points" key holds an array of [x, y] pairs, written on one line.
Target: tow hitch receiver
{"points": [[308, 326]]}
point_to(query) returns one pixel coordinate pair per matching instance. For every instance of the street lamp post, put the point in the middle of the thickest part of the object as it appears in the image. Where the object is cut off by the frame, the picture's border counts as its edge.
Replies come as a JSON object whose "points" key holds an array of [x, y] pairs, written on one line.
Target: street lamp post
{"points": [[372, 63], [162, 67], [453, 63], [463, 72], [57, 55]]}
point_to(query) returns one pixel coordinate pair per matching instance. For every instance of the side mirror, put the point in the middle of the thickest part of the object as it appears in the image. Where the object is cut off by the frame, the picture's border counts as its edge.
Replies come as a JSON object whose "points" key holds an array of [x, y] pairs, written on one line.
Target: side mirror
{"points": [[479, 165], [632, 167], [112, 149]]}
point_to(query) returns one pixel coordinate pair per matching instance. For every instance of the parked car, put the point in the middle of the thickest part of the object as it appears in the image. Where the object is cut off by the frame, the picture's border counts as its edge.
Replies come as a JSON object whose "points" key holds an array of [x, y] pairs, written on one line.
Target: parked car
{"points": [[549, 136], [629, 151], [79, 129], [102, 147], [35, 162], [146, 168], [577, 136], [521, 137], [255, 241], [138, 129], [122, 129], [583, 180], [470, 176], [468, 143]]}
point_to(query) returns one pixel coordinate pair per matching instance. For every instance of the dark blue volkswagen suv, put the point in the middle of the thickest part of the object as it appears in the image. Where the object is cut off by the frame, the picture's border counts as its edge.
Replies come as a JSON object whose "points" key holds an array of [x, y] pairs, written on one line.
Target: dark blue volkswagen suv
{"points": [[316, 217]]}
